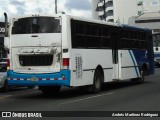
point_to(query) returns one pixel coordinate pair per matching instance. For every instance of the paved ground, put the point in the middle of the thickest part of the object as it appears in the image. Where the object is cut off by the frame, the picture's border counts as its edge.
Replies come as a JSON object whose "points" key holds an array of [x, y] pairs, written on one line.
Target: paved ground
{"points": [[123, 96]]}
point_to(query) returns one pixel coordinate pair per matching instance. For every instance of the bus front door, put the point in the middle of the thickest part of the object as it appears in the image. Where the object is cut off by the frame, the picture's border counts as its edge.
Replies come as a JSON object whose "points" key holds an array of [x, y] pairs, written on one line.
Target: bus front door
{"points": [[115, 55]]}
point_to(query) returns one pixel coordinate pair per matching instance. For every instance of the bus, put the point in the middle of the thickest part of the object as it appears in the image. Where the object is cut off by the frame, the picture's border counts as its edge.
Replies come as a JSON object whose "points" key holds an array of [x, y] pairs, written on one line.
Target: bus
{"points": [[156, 48], [51, 51]]}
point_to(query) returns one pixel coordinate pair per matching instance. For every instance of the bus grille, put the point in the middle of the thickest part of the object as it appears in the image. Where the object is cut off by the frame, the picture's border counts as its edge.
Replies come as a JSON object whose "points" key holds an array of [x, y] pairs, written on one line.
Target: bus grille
{"points": [[36, 60]]}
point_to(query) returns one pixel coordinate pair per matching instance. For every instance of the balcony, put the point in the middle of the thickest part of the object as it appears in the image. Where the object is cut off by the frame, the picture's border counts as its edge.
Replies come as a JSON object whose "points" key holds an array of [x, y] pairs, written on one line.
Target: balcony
{"points": [[100, 4], [108, 1], [101, 13], [110, 18], [109, 9]]}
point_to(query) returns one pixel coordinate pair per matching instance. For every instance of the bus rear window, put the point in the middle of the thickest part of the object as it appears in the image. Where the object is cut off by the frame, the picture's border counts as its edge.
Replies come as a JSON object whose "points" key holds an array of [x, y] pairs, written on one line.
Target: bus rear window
{"points": [[36, 25]]}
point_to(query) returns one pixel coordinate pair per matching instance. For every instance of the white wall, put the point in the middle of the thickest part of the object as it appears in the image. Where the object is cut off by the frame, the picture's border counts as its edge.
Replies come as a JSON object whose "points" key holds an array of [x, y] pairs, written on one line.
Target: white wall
{"points": [[151, 5], [123, 9], [94, 6]]}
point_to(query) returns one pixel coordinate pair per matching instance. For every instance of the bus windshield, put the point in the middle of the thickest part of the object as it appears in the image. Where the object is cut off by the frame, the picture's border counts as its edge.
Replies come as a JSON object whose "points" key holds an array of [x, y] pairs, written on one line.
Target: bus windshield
{"points": [[31, 25]]}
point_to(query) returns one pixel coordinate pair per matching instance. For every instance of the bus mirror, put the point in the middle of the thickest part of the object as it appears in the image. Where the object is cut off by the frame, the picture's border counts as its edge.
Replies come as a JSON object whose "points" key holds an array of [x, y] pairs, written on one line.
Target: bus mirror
{"points": [[6, 24]]}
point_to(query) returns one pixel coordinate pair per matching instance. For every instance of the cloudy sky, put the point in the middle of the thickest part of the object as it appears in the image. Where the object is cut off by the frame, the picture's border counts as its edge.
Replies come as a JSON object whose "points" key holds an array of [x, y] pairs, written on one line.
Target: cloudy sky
{"points": [[21, 7]]}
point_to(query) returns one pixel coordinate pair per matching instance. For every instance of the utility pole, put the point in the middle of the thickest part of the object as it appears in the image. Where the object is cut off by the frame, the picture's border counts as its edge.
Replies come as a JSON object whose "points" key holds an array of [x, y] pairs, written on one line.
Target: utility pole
{"points": [[56, 6], [104, 8]]}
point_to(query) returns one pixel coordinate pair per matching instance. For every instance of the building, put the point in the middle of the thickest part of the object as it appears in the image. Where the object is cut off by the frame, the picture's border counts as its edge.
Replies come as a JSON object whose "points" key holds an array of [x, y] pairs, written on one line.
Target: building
{"points": [[149, 20], [94, 7], [122, 10], [3, 52]]}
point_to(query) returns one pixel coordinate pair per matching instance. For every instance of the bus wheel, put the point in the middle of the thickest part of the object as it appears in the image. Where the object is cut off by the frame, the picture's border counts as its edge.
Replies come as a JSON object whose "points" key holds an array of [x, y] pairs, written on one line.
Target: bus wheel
{"points": [[50, 90], [97, 82], [139, 79], [144, 72]]}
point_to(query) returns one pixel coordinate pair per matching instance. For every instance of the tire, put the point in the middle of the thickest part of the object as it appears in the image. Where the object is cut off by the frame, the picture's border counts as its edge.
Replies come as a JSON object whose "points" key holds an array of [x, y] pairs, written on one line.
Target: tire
{"points": [[97, 82], [50, 90], [140, 79]]}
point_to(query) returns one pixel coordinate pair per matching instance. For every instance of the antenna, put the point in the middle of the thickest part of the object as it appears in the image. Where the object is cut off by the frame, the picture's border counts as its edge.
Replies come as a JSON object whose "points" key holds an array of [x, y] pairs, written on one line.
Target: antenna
{"points": [[56, 6]]}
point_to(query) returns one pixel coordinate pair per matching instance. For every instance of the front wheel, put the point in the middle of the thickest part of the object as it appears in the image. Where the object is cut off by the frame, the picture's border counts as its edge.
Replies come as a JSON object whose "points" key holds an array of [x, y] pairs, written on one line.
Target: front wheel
{"points": [[97, 82], [139, 79]]}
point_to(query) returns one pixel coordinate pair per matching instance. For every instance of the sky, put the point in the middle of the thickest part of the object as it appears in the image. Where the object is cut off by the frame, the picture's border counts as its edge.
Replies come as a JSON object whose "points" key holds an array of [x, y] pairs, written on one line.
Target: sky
{"points": [[22, 7]]}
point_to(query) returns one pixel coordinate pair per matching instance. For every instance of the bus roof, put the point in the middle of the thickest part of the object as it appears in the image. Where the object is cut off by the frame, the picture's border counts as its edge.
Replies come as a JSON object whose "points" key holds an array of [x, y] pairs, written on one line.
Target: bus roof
{"points": [[93, 21], [85, 20], [135, 28], [71, 17]]}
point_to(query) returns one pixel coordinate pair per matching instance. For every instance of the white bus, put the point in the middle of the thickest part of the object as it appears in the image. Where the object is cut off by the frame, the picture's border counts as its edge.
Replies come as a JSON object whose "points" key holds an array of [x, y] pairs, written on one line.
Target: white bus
{"points": [[51, 51]]}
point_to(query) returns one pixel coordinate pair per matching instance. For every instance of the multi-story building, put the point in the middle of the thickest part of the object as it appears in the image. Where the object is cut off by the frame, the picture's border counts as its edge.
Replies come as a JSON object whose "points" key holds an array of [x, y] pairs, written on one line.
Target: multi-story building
{"points": [[149, 20], [3, 52], [121, 10]]}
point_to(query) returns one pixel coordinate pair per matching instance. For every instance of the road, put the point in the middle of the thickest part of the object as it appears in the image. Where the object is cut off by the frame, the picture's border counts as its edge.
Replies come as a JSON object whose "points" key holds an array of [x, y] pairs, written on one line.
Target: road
{"points": [[122, 96]]}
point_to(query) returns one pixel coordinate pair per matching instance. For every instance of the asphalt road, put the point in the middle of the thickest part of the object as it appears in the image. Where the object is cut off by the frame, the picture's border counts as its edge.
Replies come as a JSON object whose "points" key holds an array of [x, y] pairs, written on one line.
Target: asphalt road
{"points": [[122, 96]]}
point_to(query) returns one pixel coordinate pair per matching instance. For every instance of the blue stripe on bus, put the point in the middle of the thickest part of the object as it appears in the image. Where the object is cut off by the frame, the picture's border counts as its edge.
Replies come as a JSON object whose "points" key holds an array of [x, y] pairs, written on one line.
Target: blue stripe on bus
{"points": [[133, 62]]}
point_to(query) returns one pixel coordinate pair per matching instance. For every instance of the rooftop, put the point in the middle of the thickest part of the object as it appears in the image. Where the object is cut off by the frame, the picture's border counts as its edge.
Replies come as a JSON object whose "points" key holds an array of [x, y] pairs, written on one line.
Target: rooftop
{"points": [[149, 15]]}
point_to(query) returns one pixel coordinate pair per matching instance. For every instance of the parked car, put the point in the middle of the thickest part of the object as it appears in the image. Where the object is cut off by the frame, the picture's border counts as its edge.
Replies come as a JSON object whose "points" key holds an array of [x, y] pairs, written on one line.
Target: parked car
{"points": [[3, 82], [3, 64], [3, 75]]}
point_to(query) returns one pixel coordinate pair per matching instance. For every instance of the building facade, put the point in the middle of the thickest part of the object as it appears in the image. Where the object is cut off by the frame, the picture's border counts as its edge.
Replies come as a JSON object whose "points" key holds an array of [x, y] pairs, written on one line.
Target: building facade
{"points": [[150, 20], [3, 52], [122, 10]]}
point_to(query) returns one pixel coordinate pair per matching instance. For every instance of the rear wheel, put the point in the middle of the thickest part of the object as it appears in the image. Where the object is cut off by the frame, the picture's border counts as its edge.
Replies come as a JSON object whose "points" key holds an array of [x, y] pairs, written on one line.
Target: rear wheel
{"points": [[97, 82], [141, 79], [50, 90]]}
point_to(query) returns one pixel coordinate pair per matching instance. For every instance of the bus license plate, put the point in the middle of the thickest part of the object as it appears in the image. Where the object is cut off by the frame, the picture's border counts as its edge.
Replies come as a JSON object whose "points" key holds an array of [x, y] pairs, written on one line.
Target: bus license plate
{"points": [[33, 79]]}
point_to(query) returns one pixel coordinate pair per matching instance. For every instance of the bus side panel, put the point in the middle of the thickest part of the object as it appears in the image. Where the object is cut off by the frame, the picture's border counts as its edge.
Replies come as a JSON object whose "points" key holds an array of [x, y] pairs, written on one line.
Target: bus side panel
{"points": [[129, 67], [85, 61]]}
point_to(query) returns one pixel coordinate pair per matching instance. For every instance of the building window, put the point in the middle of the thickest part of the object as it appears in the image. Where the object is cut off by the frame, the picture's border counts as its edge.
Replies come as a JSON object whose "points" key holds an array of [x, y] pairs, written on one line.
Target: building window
{"points": [[110, 20], [140, 3]]}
